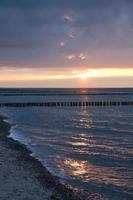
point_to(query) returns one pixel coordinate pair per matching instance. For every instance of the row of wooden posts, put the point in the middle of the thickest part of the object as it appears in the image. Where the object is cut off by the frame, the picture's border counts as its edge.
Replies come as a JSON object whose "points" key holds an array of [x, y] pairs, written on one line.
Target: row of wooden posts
{"points": [[68, 104], [68, 94]]}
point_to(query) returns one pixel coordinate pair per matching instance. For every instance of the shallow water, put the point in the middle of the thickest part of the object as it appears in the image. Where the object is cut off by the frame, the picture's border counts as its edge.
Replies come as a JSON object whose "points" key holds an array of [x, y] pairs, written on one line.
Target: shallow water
{"points": [[90, 148]]}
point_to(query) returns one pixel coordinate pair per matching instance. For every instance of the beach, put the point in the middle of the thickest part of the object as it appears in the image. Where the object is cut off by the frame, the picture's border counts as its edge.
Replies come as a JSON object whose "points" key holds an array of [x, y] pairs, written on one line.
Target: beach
{"points": [[66, 153], [22, 176]]}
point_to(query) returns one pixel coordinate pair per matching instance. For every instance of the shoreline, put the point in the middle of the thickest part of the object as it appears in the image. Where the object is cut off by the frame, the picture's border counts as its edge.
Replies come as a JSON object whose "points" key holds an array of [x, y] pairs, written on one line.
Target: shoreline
{"points": [[46, 181]]}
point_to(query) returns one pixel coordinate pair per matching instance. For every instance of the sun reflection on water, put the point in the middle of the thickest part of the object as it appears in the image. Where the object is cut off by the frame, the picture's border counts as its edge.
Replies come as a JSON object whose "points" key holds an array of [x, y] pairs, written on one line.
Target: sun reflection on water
{"points": [[86, 171], [76, 168]]}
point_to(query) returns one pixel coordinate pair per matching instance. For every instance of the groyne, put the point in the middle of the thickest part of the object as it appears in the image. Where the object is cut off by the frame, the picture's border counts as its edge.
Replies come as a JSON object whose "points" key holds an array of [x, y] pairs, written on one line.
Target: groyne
{"points": [[68, 104]]}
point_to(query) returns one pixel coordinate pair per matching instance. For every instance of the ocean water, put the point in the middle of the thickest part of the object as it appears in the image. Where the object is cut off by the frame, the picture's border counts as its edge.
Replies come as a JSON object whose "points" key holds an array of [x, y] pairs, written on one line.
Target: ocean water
{"points": [[88, 148]]}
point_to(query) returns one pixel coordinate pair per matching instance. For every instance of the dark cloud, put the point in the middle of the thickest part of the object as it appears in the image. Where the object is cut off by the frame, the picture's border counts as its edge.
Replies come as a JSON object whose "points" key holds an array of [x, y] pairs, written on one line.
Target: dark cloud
{"points": [[63, 3], [31, 30], [55, 3]]}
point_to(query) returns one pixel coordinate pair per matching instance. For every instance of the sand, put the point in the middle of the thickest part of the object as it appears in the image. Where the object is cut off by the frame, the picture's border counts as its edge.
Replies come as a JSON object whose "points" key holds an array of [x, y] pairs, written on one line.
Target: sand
{"points": [[22, 177]]}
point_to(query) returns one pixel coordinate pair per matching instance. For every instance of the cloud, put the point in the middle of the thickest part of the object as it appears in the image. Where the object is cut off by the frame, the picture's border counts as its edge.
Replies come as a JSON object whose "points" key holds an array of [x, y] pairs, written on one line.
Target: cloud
{"points": [[72, 34], [62, 44], [82, 56], [68, 18], [33, 32], [71, 56]]}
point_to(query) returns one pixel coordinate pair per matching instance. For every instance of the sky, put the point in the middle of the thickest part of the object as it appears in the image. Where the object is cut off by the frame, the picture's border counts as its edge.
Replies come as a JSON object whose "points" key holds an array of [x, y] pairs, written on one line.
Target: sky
{"points": [[66, 43]]}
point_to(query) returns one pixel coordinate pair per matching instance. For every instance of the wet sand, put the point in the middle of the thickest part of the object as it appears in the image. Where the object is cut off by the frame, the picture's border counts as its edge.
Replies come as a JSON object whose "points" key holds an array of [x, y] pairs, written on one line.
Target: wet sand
{"points": [[22, 177]]}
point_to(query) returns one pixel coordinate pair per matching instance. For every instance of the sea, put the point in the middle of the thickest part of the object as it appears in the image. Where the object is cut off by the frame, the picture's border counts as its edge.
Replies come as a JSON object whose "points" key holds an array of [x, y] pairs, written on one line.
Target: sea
{"points": [[89, 148]]}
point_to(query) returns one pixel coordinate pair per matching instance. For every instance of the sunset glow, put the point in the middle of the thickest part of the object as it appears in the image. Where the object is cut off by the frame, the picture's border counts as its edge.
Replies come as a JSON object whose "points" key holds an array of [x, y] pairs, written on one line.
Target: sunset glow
{"points": [[66, 45], [103, 73], [25, 74]]}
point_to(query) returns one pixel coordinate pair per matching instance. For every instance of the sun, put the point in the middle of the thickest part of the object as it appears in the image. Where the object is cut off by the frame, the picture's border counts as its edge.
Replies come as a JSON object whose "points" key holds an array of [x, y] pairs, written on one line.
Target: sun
{"points": [[87, 74], [84, 76]]}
